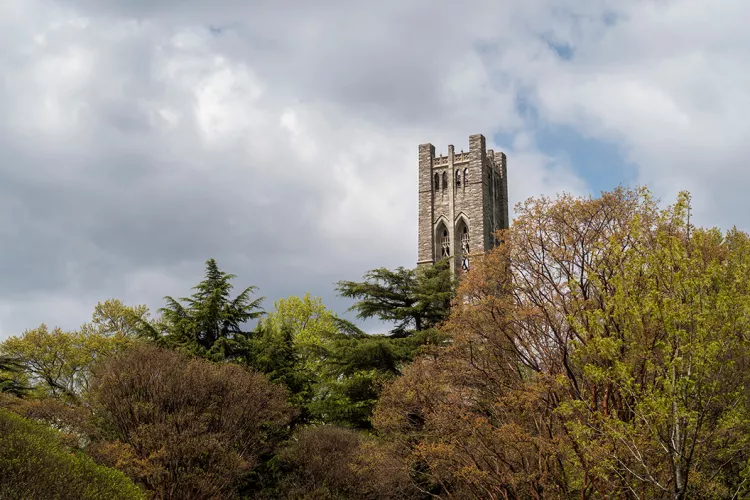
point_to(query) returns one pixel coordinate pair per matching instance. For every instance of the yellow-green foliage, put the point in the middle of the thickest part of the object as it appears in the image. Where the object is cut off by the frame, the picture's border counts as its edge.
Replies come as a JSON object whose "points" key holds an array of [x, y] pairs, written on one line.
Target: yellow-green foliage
{"points": [[59, 362], [34, 464]]}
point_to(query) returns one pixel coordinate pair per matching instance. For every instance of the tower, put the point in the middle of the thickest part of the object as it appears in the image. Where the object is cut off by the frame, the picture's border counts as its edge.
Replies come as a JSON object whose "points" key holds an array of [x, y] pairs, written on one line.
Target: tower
{"points": [[463, 200]]}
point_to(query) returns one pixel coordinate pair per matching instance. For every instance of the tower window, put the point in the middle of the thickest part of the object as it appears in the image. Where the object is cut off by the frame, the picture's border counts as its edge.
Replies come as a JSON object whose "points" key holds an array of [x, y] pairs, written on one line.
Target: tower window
{"points": [[445, 180], [458, 179], [466, 177], [437, 182], [465, 249], [446, 245]]}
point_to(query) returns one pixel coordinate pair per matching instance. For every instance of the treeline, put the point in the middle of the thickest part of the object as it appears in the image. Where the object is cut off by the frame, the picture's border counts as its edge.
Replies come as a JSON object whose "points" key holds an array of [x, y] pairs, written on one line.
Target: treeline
{"points": [[601, 351]]}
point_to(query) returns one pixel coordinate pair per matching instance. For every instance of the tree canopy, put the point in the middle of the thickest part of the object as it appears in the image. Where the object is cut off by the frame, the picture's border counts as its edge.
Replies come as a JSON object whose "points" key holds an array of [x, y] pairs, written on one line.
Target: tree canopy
{"points": [[414, 299], [602, 350], [209, 323]]}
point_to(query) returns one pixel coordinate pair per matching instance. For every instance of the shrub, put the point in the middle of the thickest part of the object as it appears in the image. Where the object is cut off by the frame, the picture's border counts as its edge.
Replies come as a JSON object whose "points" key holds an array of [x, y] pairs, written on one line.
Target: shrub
{"points": [[327, 462], [185, 428], [34, 464]]}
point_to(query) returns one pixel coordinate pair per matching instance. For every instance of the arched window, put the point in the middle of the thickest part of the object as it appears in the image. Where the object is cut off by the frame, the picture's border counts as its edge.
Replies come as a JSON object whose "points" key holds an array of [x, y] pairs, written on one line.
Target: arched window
{"points": [[466, 177], [458, 179], [445, 245], [445, 180], [465, 250], [437, 182]]}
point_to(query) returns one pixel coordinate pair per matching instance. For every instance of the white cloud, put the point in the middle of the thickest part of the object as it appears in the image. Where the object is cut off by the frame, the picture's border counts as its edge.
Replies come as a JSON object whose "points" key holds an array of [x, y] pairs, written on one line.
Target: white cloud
{"points": [[137, 142]]}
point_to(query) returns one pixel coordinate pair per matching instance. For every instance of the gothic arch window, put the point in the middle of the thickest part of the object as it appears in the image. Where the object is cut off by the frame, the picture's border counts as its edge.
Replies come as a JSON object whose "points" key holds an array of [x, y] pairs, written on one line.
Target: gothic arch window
{"points": [[458, 179], [466, 177], [442, 238], [465, 250], [461, 245], [445, 180], [437, 182]]}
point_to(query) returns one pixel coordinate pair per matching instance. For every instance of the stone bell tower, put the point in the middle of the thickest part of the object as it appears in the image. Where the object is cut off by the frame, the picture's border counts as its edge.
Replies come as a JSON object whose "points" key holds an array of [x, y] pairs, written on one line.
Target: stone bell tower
{"points": [[463, 200]]}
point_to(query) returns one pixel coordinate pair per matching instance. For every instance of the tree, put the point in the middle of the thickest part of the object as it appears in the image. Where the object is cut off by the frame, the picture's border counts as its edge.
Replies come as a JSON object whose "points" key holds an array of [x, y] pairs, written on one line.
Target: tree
{"points": [[333, 370], [59, 363], [185, 427], [113, 318], [209, 323], [602, 350], [414, 299], [11, 374], [357, 366], [35, 464], [324, 361]]}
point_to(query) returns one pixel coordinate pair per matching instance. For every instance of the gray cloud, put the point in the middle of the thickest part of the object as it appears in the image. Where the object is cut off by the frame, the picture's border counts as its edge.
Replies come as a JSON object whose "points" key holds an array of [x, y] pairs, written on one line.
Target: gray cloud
{"points": [[140, 138]]}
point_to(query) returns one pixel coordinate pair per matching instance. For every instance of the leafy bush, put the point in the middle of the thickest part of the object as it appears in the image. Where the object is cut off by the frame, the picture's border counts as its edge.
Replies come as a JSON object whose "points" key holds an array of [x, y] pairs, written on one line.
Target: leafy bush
{"points": [[34, 464], [185, 427], [326, 462]]}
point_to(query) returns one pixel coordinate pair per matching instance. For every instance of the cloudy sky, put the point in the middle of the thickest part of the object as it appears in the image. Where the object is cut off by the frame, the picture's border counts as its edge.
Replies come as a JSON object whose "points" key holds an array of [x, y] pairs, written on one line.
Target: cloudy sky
{"points": [[140, 137]]}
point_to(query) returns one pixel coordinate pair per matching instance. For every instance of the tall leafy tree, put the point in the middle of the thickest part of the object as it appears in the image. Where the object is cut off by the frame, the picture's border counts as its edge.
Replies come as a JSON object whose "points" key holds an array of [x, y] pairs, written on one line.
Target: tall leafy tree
{"points": [[59, 363], [209, 323], [604, 352]]}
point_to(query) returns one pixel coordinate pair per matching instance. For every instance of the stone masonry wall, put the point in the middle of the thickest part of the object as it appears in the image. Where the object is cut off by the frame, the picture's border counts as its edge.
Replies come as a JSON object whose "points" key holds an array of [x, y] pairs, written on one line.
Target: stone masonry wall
{"points": [[425, 236], [481, 202]]}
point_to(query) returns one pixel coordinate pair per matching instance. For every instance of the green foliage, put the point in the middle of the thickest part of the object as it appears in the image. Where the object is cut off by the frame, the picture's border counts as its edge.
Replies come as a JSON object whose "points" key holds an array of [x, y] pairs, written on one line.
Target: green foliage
{"points": [[209, 323], [672, 342], [276, 353], [604, 354], [113, 318], [414, 299], [35, 464], [12, 377], [295, 346], [59, 363], [357, 366], [333, 370], [355, 371]]}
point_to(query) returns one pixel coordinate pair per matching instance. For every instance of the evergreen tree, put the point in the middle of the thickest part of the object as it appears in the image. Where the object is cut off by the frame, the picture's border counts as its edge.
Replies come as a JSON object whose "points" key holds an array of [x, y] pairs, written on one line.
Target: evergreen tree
{"points": [[414, 299], [10, 377], [357, 366], [209, 323]]}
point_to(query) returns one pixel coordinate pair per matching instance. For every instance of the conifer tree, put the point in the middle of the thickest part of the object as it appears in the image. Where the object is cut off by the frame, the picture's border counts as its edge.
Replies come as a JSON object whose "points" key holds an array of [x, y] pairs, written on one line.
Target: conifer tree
{"points": [[209, 323], [10, 377], [413, 299]]}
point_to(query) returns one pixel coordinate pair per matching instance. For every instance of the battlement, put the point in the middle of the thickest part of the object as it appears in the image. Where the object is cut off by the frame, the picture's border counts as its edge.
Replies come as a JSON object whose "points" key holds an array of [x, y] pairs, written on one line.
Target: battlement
{"points": [[495, 159], [442, 161]]}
